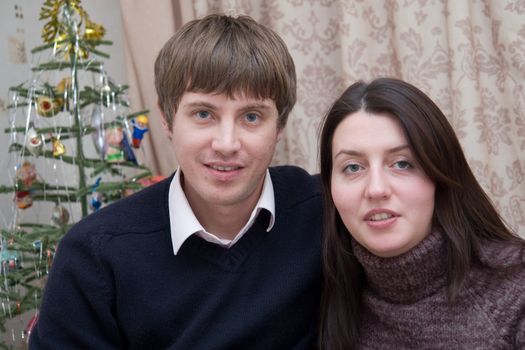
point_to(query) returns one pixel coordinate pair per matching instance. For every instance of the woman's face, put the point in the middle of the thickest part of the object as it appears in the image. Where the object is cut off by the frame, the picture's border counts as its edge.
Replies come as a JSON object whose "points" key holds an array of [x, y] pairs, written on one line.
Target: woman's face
{"points": [[383, 196]]}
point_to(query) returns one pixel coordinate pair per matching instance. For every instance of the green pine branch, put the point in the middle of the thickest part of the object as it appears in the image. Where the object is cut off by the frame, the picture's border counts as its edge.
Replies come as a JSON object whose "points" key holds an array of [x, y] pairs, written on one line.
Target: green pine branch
{"points": [[90, 43], [92, 66], [66, 130], [35, 243]]}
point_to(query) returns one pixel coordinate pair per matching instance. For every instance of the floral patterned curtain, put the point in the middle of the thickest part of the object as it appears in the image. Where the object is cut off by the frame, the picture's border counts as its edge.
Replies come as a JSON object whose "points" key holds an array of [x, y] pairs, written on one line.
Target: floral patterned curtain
{"points": [[468, 55]]}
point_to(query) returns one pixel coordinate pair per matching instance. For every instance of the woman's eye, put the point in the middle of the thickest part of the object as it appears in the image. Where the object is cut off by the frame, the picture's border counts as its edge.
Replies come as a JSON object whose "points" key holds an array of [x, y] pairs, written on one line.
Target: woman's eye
{"points": [[203, 114], [352, 168], [402, 164], [252, 117]]}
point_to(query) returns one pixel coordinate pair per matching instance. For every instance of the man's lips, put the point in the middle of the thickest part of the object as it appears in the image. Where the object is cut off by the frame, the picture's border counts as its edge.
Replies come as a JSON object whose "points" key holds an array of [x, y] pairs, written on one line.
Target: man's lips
{"points": [[223, 167], [224, 172]]}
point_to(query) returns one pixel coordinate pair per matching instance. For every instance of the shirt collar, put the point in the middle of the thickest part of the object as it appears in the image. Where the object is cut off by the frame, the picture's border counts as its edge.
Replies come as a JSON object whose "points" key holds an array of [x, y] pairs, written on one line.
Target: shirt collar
{"points": [[183, 222]]}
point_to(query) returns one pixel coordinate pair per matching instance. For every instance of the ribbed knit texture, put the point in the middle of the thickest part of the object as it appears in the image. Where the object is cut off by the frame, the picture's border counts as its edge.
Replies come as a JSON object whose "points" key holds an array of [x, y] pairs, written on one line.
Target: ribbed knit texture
{"points": [[405, 303], [116, 284]]}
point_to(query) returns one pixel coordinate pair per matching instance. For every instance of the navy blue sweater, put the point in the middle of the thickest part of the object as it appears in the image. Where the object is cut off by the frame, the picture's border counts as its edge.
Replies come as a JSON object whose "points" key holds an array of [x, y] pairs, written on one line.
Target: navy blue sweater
{"points": [[115, 282]]}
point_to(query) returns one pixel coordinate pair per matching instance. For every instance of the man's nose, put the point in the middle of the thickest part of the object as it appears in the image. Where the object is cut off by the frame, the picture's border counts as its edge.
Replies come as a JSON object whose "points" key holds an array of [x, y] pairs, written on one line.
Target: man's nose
{"points": [[226, 138]]}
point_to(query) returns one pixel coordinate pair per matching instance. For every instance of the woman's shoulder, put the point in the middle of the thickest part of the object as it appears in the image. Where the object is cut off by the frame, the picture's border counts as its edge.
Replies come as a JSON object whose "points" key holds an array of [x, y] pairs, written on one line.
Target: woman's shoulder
{"points": [[499, 270], [501, 254], [497, 288]]}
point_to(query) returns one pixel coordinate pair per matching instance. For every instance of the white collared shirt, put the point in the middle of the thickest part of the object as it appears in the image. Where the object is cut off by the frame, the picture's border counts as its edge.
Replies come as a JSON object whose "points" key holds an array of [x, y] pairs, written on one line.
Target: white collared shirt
{"points": [[183, 222]]}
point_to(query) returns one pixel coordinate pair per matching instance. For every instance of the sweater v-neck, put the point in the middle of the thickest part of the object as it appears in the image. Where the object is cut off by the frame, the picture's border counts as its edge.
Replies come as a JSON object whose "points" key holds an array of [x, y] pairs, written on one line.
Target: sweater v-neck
{"points": [[229, 259]]}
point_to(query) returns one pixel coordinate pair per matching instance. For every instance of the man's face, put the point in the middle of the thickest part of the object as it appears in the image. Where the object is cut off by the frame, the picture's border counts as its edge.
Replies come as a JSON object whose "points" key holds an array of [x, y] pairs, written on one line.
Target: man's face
{"points": [[223, 147]]}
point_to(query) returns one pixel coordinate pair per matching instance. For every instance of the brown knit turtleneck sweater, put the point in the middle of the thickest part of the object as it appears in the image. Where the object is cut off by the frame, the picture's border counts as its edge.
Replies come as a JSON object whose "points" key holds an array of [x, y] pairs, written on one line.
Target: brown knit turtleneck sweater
{"points": [[405, 304]]}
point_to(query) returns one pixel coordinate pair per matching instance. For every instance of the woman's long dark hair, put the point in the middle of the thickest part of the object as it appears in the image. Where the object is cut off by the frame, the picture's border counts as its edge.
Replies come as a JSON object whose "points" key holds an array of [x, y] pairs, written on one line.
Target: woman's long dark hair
{"points": [[462, 210]]}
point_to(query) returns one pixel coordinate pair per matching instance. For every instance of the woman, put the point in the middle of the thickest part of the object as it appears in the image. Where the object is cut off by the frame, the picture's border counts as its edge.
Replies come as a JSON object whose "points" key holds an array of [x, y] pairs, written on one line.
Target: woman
{"points": [[415, 254]]}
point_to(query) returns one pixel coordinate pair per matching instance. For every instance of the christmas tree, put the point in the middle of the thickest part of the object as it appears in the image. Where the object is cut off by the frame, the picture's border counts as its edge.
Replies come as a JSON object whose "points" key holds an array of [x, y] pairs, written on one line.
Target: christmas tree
{"points": [[72, 150]]}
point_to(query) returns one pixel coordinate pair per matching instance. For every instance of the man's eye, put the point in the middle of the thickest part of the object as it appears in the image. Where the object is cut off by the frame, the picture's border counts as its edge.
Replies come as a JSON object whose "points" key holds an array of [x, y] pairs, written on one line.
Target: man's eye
{"points": [[203, 114], [252, 117]]}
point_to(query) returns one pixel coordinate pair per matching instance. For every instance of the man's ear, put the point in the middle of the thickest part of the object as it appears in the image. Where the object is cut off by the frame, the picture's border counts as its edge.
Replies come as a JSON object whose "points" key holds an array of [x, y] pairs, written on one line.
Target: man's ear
{"points": [[164, 121], [280, 134]]}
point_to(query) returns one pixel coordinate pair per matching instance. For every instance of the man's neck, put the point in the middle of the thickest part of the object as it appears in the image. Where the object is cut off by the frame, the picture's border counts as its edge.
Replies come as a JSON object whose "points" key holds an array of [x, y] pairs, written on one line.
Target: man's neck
{"points": [[224, 222]]}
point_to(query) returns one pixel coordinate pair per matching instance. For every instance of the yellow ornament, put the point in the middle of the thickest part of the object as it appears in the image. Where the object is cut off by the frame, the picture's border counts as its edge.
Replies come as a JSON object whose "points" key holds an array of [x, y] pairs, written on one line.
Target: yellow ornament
{"points": [[64, 85], [93, 31], [52, 10], [61, 41], [67, 47], [56, 31], [58, 147], [63, 91], [47, 106]]}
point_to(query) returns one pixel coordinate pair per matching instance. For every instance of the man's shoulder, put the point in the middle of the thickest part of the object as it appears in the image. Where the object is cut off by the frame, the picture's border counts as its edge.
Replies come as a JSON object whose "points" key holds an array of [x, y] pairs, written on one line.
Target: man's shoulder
{"points": [[143, 211], [293, 184], [291, 173]]}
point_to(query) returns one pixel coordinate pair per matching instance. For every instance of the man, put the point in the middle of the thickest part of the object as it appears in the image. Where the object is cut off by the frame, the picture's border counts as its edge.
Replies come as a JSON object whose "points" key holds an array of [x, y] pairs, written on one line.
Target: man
{"points": [[225, 254]]}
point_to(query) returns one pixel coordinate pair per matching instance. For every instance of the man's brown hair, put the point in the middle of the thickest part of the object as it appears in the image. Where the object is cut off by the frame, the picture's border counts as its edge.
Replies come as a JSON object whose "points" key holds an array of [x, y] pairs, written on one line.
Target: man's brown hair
{"points": [[228, 55]]}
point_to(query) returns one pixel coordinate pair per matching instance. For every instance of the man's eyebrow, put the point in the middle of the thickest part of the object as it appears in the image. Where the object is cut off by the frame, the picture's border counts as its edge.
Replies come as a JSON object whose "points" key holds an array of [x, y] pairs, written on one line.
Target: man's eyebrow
{"points": [[208, 105], [198, 104], [256, 106]]}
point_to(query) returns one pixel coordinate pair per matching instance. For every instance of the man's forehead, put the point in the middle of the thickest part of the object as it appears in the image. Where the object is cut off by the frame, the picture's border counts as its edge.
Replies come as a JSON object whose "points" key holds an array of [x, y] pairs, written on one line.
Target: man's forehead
{"points": [[191, 97]]}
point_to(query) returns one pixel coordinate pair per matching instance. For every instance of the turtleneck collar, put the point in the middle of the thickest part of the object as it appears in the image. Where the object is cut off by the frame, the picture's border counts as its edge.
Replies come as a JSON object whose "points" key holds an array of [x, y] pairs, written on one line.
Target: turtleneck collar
{"points": [[408, 277]]}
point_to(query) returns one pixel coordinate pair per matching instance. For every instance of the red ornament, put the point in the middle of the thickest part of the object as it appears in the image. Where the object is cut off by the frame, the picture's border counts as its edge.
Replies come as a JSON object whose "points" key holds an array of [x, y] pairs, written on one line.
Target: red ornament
{"points": [[30, 325]]}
